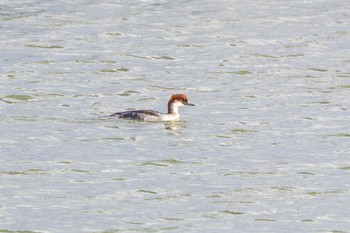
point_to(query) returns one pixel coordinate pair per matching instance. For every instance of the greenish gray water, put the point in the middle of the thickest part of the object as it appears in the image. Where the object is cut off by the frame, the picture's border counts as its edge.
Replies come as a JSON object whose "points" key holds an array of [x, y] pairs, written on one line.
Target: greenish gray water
{"points": [[266, 149]]}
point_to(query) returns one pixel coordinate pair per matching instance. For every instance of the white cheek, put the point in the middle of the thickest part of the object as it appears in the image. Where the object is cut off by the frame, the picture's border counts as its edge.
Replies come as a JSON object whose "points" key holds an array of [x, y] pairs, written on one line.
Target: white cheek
{"points": [[179, 104]]}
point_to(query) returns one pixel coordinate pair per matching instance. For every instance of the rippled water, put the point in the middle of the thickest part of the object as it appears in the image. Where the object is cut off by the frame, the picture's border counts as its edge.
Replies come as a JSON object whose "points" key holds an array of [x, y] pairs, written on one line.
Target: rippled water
{"points": [[266, 149]]}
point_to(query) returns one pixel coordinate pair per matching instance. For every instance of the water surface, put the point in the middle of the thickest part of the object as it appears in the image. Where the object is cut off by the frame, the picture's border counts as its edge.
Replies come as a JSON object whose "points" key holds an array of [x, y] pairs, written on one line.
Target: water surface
{"points": [[266, 149]]}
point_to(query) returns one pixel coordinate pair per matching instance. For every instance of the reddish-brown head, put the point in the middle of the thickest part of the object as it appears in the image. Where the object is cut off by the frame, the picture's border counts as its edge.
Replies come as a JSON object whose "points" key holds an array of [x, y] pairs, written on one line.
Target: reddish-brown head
{"points": [[176, 101], [180, 98]]}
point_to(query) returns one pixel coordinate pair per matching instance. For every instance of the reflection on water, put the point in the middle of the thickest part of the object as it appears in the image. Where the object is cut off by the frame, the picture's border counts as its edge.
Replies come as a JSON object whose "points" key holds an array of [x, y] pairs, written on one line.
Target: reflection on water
{"points": [[175, 125], [266, 149]]}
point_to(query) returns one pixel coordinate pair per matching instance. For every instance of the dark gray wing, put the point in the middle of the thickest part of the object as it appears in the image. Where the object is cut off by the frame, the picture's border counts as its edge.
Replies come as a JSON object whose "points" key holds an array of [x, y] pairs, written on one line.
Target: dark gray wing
{"points": [[137, 114]]}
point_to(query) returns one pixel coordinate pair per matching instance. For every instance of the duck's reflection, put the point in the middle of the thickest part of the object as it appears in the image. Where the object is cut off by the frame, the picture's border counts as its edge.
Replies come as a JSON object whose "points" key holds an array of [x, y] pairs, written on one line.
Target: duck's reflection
{"points": [[175, 125]]}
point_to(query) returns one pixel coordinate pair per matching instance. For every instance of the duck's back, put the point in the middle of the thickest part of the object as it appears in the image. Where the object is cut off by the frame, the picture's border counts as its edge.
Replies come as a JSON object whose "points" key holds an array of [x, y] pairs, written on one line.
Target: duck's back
{"points": [[147, 115]]}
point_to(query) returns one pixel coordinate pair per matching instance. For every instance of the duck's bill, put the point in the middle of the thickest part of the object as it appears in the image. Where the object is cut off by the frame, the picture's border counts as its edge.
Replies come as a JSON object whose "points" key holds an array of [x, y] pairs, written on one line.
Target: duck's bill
{"points": [[190, 104]]}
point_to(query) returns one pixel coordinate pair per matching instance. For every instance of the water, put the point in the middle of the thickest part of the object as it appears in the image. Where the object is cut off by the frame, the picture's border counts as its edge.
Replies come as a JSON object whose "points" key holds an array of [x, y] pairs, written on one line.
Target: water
{"points": [[266, 149]]}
